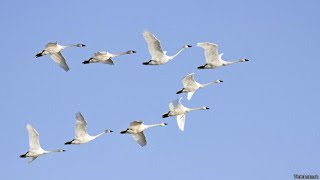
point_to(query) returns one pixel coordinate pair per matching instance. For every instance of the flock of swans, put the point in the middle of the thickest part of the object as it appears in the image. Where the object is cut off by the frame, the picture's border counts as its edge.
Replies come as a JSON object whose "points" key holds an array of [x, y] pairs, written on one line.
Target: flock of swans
{"points": [[136, 128]]}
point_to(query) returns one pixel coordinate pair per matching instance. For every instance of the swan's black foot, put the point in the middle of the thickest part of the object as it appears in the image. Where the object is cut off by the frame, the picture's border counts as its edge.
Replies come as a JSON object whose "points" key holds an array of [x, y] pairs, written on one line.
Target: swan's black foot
{"points": [[23, 155], [180, 91], [86, 62], [123, 132], [68, 143], [165, 115], [201, 67], [145, 63]]}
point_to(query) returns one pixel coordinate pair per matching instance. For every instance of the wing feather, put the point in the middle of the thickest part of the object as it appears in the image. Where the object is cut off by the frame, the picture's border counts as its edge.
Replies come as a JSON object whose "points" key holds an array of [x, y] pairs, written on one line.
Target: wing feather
{"points": [[81, 125], [140, 138], [59, 59], [154, 45], [34, 143]]}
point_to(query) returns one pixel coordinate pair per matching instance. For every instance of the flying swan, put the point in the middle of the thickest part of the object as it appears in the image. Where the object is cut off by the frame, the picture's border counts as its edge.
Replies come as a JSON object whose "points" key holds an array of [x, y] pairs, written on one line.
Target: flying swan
{"points": [[105, 57], [177, 109], [54, 50], [213, 59], [136, 129], [158, 56], [190, 85], [81, 131], [35, 149]]}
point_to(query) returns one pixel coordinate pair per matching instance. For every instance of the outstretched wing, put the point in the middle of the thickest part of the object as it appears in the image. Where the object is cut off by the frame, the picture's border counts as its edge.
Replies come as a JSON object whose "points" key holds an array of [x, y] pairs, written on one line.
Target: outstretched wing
{"points": [[140, 138], [210, 52], [59, 59], [176, 104], [189, 81], [181, 121], [190, 94], [153, 45], [34, 143], [81, 125], [31, 159], [136, 123]]}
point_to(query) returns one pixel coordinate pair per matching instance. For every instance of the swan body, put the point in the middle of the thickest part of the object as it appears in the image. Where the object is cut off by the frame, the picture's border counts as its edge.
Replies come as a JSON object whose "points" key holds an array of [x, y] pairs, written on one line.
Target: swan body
{"points": [[158, 56], [190, 85], [105, 57], [213, 59], [82, 135], [136, 129], [54, 50], [35, 149], [177, 109]]}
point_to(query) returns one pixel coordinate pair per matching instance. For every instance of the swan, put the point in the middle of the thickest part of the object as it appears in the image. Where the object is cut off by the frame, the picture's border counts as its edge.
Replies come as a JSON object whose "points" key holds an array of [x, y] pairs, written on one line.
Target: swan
{"points": [[35, 149], [190, 85], [105, 57], [213, 59], [81, 131], [136, 129], [177, 109], [158, 56], [54, 50]]}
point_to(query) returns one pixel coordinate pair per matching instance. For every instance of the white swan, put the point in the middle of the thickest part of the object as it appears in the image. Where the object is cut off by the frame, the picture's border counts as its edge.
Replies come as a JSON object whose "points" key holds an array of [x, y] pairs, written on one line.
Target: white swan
{"points": [[81, 131], [35, 149], [158, 56], [54, 50], [105, 57], [177, 109], [213, 59], [136, 129], [190, 85]]}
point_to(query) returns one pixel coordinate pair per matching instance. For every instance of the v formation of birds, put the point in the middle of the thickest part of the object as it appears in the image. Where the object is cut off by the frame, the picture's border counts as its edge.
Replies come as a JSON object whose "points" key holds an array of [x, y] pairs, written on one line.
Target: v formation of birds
{"points": [[136, 128]]}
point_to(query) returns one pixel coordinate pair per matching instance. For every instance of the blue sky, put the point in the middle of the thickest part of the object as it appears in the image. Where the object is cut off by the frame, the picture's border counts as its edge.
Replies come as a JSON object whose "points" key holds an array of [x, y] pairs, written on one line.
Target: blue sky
{"points": [[263, 122]]}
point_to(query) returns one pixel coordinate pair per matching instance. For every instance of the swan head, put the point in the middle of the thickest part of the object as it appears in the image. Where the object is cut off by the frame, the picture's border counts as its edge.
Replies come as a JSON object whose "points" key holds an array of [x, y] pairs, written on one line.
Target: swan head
{"points": [[80, 45], [187, 46], [131, 52], [218, 81], [108, 131], [205, 108], [164, 124], [243, 60]]}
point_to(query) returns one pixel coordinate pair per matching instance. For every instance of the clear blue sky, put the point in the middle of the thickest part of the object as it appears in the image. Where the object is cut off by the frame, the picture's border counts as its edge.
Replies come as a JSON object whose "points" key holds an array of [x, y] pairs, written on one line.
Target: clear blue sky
{"points": [[263, 122]]}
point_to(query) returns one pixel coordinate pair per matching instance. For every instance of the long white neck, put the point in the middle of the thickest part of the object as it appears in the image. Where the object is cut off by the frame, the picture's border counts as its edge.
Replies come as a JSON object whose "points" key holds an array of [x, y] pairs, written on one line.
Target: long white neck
{"points": [[56, 150], [176, 54], [100, 134], [195, 109], [72, 45], [231, 62], [153, 125], [207, 84]]}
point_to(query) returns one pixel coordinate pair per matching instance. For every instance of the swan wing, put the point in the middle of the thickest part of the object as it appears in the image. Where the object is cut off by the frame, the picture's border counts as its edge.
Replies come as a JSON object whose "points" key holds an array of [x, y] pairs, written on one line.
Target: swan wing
{"points": [[51, 44], [210, 52], [153, 45], [140, 138], [108, 61], [190, 94], [34, 143], [31, 159], [59, 59], [136, 123], [181, 121], [81, 125], [189, 81]]}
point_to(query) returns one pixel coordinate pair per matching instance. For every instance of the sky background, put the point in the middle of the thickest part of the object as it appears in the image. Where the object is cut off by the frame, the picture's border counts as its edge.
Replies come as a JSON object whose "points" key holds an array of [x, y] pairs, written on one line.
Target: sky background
{"points": [[263, 121]]}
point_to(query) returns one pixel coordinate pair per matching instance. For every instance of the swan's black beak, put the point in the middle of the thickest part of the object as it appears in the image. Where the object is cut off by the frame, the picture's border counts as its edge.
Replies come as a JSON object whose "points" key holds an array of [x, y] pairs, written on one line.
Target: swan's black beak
{"points": [[189, 45], [134, 51], [220, 80], [83, 45], [246, 59]]}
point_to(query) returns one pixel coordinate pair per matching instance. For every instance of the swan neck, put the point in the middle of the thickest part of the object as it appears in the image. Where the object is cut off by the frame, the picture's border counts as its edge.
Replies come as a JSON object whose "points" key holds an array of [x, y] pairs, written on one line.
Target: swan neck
{"points": [[152, 125], [194, 109], [176, 54]]}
